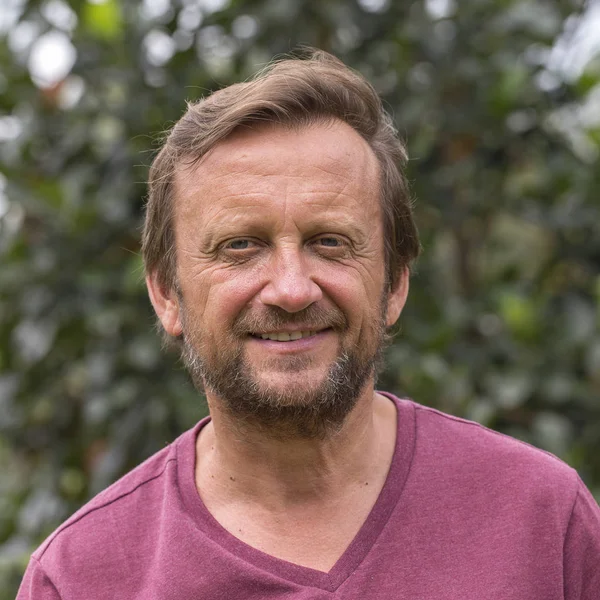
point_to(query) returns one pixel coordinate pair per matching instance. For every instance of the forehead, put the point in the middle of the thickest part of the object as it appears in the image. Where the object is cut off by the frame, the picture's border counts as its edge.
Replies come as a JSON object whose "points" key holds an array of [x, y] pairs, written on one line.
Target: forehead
{"points": [[325, 164]]}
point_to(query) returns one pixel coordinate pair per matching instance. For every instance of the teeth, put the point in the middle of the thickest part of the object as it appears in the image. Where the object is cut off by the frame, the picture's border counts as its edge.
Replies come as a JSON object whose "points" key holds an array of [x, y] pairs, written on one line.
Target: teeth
{"points": [[286, 337]]}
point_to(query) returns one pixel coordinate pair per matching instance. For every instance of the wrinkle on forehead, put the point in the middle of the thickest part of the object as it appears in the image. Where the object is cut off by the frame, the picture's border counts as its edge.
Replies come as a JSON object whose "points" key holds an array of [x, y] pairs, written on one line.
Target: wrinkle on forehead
{"points": [[280, 182], [347, 155]]}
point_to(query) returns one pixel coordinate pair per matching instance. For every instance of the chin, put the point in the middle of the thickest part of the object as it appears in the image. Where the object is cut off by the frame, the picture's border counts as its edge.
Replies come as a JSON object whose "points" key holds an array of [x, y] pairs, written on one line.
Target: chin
{"points": [[290, 391]]}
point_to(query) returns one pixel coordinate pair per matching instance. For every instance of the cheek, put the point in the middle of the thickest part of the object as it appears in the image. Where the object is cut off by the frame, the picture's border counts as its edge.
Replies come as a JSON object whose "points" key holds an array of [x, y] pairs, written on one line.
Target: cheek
{"points": [[352, 295], [226, 294], [358, 285]]}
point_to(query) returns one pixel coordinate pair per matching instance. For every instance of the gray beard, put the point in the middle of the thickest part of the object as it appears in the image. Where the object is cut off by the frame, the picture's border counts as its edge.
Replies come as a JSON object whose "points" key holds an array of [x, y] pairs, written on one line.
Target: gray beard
{"points": [[312, 413]]}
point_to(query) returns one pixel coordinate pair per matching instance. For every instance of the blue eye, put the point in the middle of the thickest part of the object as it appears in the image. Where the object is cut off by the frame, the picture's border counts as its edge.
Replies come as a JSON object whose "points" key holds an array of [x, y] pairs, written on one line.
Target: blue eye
{"points": [[239, 244], [329, 241]]}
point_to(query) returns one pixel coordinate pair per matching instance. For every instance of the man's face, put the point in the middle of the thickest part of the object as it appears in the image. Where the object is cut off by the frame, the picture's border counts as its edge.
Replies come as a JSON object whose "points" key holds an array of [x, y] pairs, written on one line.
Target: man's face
{"points": [[281, 283]]}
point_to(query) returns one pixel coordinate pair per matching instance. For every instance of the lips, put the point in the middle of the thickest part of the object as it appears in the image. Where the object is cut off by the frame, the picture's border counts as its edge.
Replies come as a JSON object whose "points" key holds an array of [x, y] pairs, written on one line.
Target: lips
{"points": [[285, 336]]}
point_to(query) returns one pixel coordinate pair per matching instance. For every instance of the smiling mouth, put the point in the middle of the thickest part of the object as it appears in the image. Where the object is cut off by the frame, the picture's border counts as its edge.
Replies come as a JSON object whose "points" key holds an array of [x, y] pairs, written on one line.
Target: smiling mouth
{"points": [[285, 336]]}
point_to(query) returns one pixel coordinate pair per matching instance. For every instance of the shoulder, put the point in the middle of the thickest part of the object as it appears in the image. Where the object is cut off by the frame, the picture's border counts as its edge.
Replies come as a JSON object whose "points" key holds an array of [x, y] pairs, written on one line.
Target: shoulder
{"points": [[114, 538], [479, 458], [115, 513]]}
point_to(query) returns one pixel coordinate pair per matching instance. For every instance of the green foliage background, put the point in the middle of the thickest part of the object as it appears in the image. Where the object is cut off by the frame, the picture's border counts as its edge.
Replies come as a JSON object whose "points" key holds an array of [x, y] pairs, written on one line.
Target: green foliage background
{"points": [[503, 321]]}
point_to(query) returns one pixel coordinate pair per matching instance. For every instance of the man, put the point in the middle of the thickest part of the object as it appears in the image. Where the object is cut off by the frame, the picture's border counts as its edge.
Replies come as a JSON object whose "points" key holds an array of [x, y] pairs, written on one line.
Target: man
{"points": [[277, 243]]}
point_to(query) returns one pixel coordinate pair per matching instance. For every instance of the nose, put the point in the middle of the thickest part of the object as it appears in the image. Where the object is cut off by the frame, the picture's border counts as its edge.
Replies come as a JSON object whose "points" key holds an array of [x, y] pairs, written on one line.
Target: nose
{"points": [[289, 285]]}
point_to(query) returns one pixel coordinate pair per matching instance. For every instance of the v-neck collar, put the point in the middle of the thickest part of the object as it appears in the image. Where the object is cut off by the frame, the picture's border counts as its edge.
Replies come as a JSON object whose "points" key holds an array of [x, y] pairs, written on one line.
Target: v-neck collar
{"points": [[358, 548]]}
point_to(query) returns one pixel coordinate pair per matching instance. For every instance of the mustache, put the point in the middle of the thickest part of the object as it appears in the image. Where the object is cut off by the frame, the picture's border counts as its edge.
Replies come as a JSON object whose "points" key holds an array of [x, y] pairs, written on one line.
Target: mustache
{"points": [[311, 318]]}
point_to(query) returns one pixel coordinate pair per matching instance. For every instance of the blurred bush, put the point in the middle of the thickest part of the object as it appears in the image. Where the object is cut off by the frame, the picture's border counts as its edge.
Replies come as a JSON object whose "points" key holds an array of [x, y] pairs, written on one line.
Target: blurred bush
{"points": [[498, 101]]}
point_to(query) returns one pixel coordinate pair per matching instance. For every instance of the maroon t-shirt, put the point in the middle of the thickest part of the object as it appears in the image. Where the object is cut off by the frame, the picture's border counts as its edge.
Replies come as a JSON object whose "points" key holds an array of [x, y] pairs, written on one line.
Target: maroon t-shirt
{"points": [[465, 513]]}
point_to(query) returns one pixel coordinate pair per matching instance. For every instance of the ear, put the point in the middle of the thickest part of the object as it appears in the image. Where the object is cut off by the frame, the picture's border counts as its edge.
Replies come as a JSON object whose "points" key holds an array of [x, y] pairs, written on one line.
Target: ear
{"points": [[166, 305], [397, 298]]}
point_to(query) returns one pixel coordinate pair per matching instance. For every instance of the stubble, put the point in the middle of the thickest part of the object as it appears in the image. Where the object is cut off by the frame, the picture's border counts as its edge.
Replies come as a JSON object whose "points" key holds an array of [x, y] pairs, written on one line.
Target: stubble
{"points": [[307, 411]]}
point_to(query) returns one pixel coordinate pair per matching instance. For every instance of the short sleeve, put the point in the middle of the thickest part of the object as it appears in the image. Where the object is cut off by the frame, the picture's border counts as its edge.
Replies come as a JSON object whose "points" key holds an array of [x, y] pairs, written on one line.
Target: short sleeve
{"points": [[36, 584], [582, 549]]}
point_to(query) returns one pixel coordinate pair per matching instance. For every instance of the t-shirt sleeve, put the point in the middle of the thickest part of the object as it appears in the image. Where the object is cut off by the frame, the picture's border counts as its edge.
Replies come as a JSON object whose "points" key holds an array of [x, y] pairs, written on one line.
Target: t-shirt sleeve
{"points": [[582, 549], [36, 584]]}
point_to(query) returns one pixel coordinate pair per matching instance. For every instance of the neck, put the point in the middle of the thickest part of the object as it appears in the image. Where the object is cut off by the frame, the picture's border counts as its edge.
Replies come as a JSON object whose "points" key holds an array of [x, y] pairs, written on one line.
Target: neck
{"points": [[236, 459]]}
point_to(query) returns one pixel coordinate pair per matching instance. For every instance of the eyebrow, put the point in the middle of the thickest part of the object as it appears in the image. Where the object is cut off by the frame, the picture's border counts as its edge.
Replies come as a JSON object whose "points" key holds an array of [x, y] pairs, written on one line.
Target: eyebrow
{"points": [[255, 225]]}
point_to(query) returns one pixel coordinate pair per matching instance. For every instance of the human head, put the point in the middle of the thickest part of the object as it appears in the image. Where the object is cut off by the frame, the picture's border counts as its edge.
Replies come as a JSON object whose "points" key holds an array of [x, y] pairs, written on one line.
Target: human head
{"points": [[293, 92], [279, 234]]}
